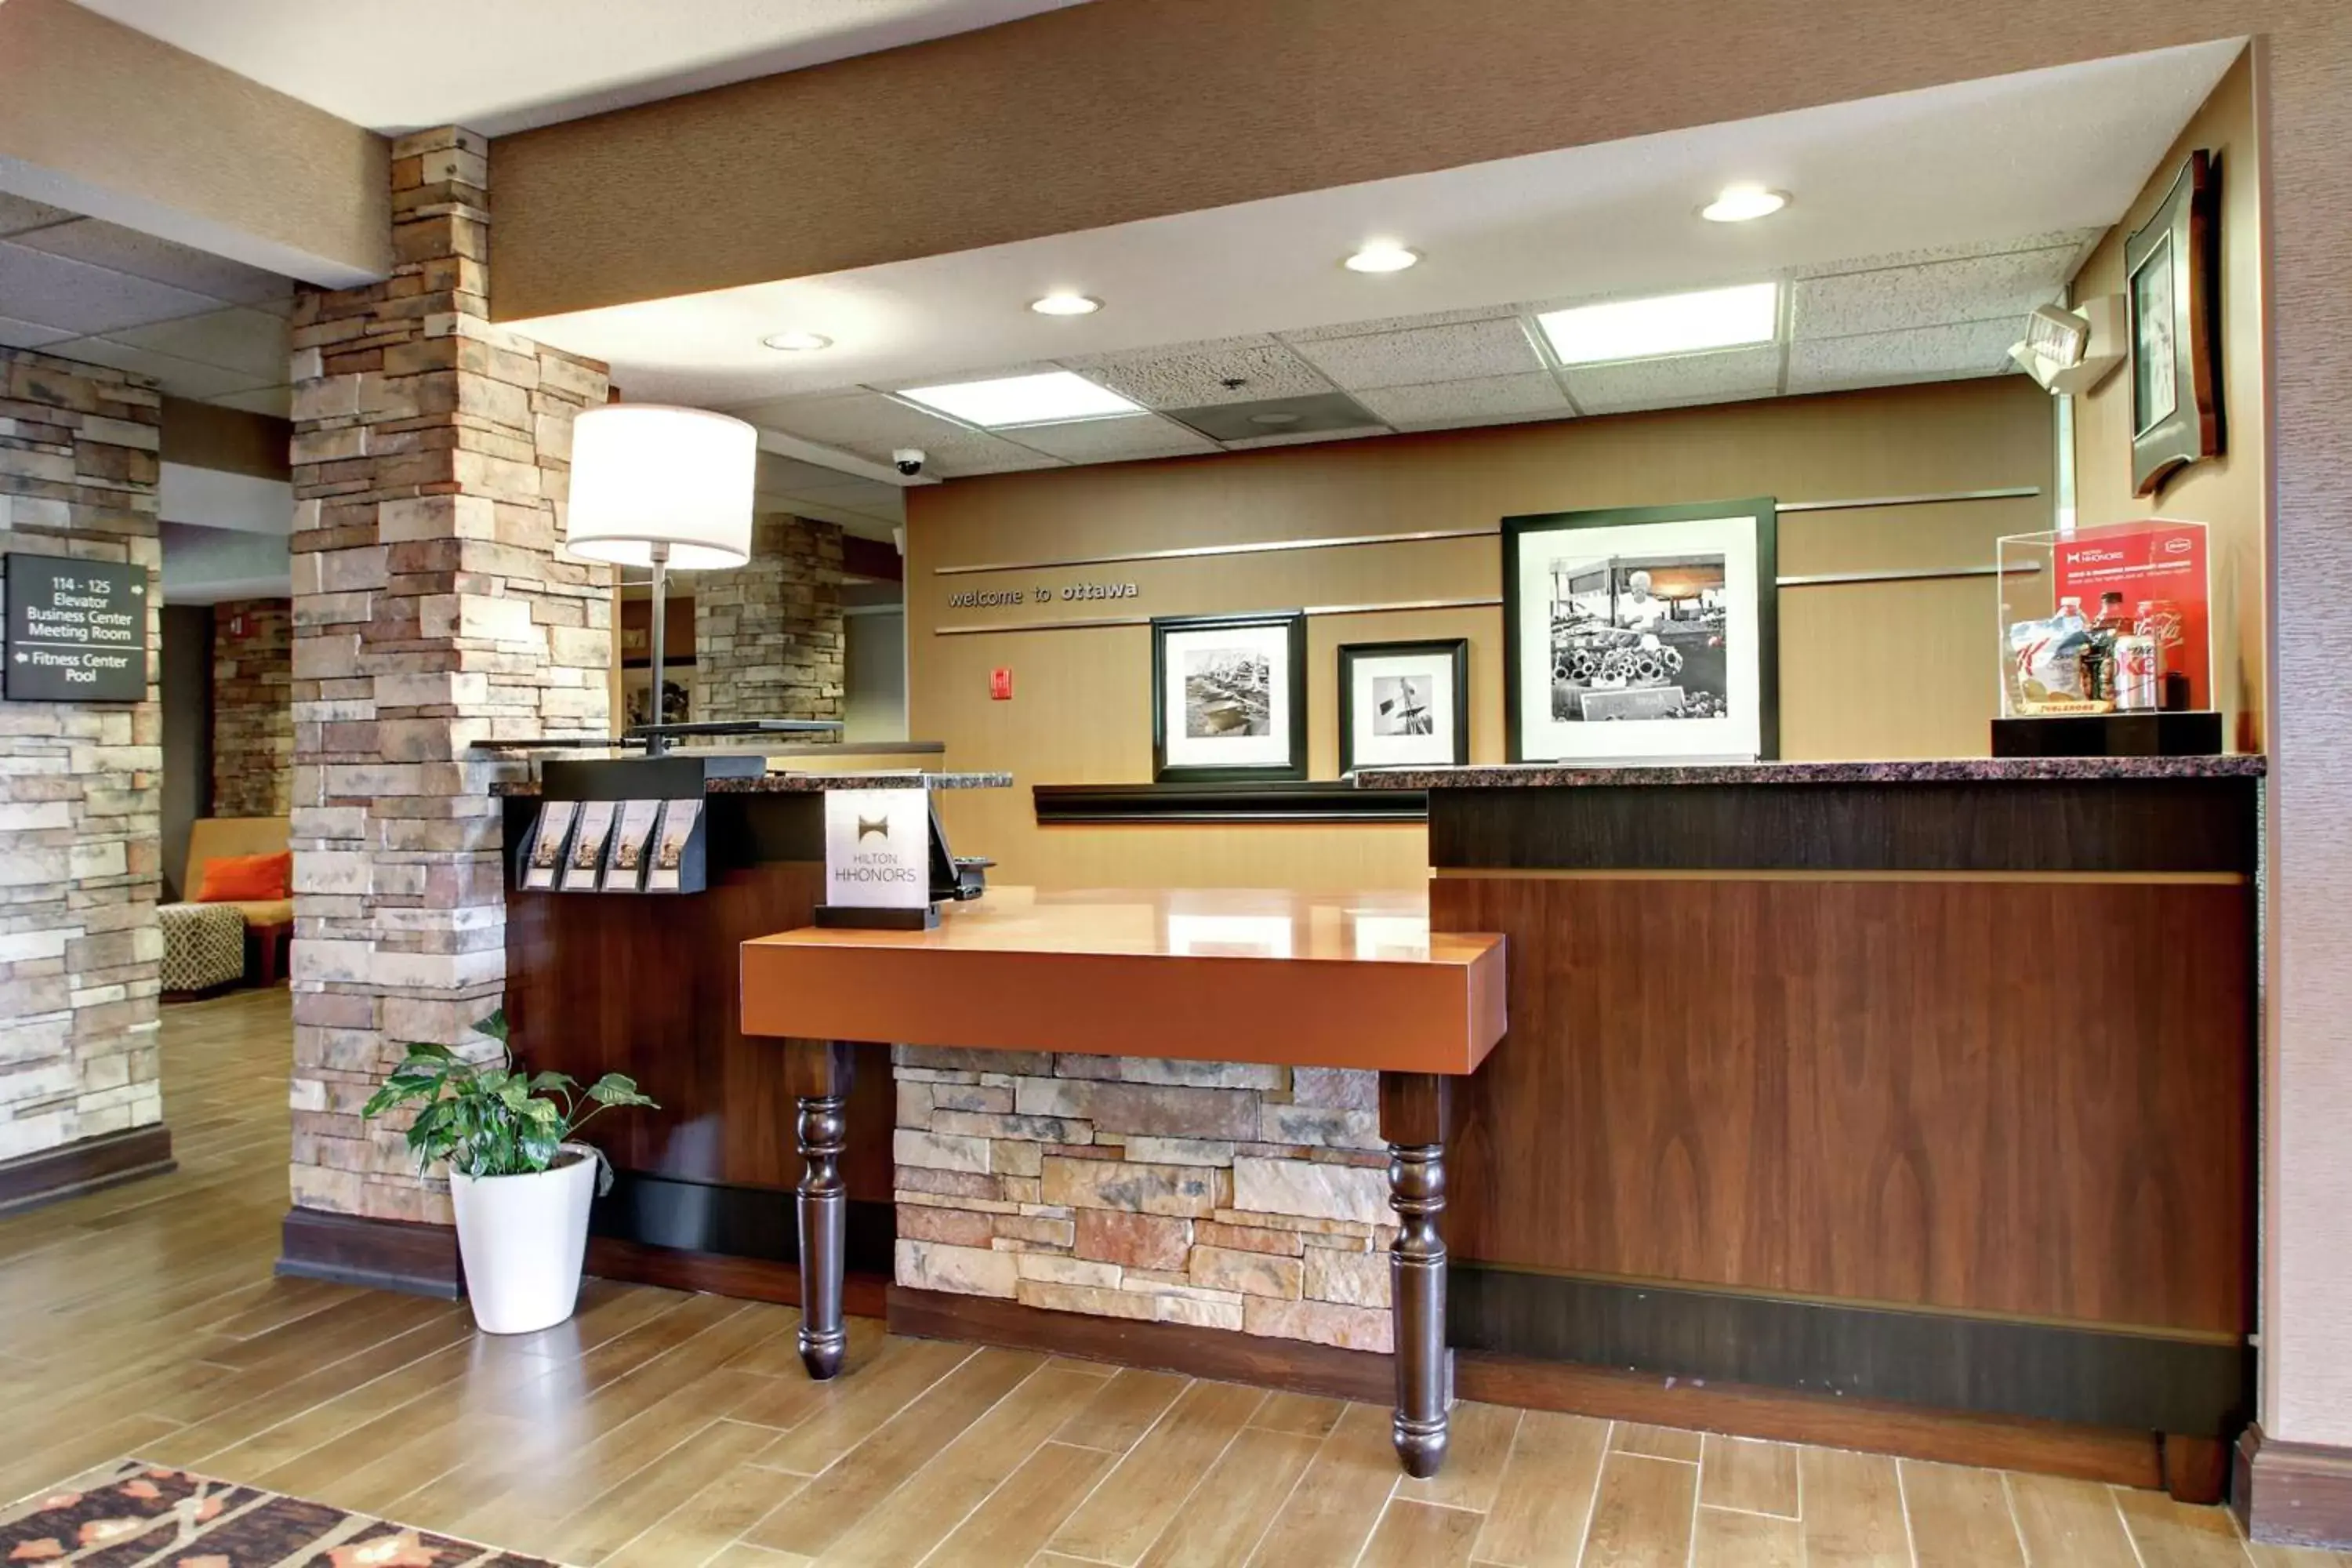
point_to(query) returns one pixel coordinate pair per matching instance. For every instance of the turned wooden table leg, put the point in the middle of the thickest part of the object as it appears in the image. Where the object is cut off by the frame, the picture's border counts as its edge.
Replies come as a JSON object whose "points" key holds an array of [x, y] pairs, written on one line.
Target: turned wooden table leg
{"points": [[822, 1071], [1415, 1110]]}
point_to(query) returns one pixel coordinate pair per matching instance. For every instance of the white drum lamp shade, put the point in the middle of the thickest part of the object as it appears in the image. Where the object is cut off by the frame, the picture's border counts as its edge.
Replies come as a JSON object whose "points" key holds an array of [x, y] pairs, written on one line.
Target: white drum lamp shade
{"points": [[645, 474]]}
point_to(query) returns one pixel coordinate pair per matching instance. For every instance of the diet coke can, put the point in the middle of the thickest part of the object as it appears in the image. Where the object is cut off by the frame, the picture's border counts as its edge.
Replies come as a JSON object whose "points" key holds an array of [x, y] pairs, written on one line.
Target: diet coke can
{"points": [[2139, 675]]}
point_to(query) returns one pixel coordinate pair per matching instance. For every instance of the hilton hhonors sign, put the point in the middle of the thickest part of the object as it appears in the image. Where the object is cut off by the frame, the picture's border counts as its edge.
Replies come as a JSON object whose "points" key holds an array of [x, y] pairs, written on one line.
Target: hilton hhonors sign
{"points": [[77, 630]]}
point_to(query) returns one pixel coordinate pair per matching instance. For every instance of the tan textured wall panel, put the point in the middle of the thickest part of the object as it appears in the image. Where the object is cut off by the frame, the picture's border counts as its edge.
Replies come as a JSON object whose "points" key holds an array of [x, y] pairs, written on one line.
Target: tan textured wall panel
{"points": [[153, 137], [2231, 492], [1885, 670], [1114, 111]]}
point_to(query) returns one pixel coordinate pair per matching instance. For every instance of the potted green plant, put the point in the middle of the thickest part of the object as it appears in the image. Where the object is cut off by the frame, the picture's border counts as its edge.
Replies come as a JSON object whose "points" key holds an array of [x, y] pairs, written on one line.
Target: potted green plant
{"points": [[519, 1183]]}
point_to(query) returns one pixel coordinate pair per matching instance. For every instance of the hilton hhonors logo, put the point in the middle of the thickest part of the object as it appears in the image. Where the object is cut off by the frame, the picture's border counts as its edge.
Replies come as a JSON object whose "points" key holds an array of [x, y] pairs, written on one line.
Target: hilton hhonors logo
{"points": [[876, 847]]}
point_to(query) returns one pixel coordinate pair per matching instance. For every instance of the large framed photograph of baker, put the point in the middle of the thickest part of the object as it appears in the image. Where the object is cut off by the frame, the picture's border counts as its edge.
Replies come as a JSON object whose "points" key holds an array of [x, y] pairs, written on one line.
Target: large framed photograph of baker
{"points": [[1229, 697], [1642, 634], [1404, 704]]}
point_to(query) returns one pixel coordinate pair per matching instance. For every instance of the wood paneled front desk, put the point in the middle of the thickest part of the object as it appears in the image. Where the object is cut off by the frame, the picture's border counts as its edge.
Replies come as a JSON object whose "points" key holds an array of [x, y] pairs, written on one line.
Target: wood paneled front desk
{"points": [[1289, 979], [1899, 1105]]}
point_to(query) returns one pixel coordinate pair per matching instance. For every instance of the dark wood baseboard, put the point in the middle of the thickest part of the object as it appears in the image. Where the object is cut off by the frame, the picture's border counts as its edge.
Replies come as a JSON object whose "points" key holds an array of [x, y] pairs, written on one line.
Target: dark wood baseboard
{"points": [[381, 1254], [2091, 1453], [85, 1165], [2081, 1375], [1220, 1354], [751, 1279], [2293, 1494]]}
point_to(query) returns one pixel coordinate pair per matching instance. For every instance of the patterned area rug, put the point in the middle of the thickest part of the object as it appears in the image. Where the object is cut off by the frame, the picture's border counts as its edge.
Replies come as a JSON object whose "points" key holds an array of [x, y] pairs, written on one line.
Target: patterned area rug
{"points": [[131, 1514]]}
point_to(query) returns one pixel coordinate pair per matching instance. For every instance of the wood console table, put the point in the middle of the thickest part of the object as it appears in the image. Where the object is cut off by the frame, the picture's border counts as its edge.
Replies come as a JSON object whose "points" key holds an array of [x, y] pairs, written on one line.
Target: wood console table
{"points": [[1292, 980]]}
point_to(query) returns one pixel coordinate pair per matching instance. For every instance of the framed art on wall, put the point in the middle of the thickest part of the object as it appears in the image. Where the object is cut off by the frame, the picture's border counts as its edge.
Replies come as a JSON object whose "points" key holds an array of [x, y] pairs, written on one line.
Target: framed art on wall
{"points": [[2176, 408], [1642, 634], [1229, 697], [1404, 704]]}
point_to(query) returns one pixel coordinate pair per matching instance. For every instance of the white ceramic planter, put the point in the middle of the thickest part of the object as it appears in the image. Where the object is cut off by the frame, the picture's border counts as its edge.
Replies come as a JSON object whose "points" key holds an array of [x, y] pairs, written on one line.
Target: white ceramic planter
{"points": [[523, 1239]]}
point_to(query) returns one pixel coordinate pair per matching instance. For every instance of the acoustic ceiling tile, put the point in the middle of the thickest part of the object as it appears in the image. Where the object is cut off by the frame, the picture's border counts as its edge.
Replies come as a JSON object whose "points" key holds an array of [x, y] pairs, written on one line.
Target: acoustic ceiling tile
{"points": [[16, 335], [1302, 437], [2076, 239], [1725, 377], [1461, 351], [177, 376], [872, 425], [1397, 323], [277, 402], [1120, 438], [1192, 376], [75, 297], [160, 261], [1977, 289], [1489, 400], [20, 213], [253, 342], [1887, 359]]}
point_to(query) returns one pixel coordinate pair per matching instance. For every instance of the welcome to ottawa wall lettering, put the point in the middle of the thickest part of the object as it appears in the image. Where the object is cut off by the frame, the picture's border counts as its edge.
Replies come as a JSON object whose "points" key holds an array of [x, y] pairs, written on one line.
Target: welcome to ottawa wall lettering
{"points": [[1045, 594]]}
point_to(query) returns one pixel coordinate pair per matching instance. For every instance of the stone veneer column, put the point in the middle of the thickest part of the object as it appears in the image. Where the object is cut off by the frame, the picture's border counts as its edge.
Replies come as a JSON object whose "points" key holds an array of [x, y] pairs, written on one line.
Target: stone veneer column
{"points": [[253, 708], [767, 636], [432, 609], [1220, 1194], [80, 812]]}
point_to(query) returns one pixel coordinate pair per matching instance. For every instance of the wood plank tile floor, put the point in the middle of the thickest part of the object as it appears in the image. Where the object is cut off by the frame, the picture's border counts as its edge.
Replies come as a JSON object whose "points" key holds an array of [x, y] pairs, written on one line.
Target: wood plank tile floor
{"points": [[660, 1430]]}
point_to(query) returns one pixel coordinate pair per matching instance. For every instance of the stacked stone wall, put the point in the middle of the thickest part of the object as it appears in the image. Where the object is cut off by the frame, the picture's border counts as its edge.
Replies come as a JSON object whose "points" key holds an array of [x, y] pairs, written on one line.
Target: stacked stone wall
{"points": [[253, 708], [1220, 1194], [768, 640], [81, 805]]}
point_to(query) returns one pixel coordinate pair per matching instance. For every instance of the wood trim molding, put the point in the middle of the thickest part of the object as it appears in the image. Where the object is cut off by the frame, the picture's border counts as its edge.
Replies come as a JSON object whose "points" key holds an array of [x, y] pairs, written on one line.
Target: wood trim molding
{"points": [[1318, 800], [85, 1165], [746, 1279], [2111, 1455], [2293, 1494], [379, 1254], [1288, 1365]]}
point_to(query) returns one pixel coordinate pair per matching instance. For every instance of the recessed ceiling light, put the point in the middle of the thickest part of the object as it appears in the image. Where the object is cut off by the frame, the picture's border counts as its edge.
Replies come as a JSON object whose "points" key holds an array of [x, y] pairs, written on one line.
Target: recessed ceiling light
{"points": [[1382, 256], [1023, 400], [798, 343], [1666, 325], [1739, 203], [1066, 305]]}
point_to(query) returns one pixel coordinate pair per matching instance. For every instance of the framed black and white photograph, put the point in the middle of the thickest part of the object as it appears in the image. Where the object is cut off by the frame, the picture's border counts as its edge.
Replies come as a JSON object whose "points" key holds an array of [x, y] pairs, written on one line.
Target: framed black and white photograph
{"points": [[1404, 704], [2176, 407], [1229, 697], [1642, 634]]}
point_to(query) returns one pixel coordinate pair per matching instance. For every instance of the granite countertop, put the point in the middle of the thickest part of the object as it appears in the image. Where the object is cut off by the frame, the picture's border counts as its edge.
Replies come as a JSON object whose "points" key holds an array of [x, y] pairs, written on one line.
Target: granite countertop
{"points": [[1953, 770], [809, 784]]}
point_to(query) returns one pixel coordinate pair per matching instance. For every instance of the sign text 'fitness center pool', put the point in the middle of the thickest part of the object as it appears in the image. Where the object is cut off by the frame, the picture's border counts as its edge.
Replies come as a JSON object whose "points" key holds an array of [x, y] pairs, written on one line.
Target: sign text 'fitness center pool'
{"points": [[77, 630], [1045, 594]]}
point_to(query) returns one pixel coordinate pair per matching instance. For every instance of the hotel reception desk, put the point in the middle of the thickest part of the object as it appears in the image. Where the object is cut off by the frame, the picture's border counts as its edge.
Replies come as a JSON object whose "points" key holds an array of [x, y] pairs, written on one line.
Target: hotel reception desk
{"points": [[1905, 1106], [1840, 1094]]}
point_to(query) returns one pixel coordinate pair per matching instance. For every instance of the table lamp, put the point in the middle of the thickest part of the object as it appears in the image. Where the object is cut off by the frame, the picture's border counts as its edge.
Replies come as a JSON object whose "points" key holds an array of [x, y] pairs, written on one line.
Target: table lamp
{"points": [[659, 486]]}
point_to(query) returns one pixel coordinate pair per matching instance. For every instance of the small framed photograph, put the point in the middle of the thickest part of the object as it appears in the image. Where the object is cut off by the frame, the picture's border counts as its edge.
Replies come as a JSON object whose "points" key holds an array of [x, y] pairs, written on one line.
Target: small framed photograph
{"points": [[2176, 407], [1404, 704], [1643, 634], [1229, 697], [678, 694]]}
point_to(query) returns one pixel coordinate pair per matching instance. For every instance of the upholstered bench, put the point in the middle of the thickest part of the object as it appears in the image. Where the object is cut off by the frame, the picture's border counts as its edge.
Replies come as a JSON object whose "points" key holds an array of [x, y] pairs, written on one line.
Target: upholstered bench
{"points": [[203, 947], [266, 923]]}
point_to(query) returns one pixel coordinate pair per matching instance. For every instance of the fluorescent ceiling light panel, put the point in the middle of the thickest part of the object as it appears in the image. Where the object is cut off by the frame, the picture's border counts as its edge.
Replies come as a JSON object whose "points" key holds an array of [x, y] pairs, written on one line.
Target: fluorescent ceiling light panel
{"points": [[1023, 400], [1667, 324]]}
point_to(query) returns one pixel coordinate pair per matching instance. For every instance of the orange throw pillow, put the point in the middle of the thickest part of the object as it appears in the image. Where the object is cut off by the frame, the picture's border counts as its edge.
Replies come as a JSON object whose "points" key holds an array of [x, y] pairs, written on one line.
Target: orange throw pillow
{"points": [[247, 879]]}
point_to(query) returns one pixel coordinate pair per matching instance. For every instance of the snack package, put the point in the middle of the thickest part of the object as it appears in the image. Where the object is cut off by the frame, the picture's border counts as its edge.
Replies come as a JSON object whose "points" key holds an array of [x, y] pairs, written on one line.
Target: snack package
{"points": [[2045, 666]]}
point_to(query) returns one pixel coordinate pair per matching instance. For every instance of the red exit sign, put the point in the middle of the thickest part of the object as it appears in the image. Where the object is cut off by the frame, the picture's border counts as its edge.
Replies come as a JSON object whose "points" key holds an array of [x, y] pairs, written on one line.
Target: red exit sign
{"points": [[999, 684]]}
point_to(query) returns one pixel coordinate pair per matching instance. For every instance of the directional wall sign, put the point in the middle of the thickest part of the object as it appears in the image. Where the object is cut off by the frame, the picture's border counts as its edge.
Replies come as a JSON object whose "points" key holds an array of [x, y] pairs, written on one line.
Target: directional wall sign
{"points": [[77, 630]]}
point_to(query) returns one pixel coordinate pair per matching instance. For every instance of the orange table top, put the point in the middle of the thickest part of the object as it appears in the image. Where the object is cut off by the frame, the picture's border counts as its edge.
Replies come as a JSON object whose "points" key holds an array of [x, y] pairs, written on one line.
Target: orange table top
{"points": [[1353, 980]]}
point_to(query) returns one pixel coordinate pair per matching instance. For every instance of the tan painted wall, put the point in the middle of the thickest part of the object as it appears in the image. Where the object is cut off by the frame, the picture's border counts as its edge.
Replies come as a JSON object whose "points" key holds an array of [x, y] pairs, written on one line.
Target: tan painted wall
{"points": [[106, 121], [1896, 669], [2230, 491]]}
